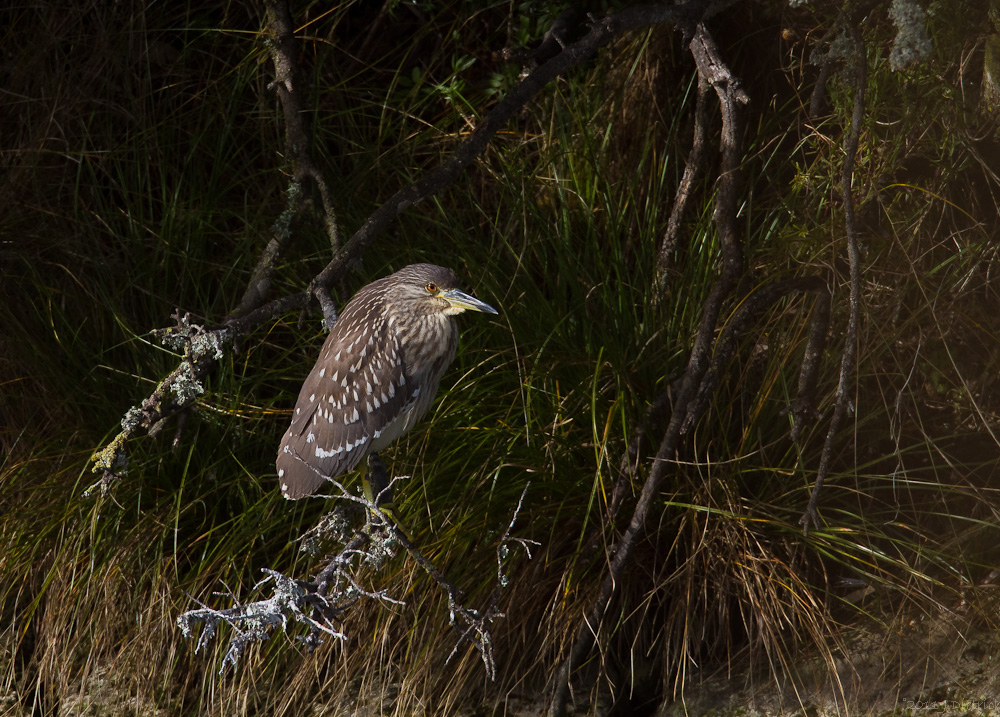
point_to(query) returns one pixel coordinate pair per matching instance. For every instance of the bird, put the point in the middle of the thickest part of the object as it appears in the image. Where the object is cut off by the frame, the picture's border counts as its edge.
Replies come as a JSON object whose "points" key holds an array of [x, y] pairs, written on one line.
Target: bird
{"points": [[376, 376]]}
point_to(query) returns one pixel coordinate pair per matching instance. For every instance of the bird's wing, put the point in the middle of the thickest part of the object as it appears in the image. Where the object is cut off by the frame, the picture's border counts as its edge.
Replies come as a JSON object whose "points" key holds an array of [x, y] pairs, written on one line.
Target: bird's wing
{"points": [[356, 391]]}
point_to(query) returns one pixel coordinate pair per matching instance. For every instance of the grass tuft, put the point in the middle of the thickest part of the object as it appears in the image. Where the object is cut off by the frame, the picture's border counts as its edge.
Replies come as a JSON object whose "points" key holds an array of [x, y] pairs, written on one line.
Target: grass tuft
{"points": [[143, 167]]}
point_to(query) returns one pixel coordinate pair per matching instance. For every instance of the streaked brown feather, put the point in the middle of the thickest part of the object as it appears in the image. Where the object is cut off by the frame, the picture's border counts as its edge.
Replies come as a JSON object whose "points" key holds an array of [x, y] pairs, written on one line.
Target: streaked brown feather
{"points": [[366, 389]]}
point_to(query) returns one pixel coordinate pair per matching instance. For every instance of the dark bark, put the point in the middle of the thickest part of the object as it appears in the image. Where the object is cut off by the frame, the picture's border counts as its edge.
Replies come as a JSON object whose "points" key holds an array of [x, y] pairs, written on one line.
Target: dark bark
{"points": [[713, 70], [848, 355]]}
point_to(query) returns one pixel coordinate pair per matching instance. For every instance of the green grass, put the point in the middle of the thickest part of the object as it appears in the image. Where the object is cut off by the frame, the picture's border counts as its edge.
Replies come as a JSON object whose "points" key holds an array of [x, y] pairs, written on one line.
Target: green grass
{"points": [[146, 176]]}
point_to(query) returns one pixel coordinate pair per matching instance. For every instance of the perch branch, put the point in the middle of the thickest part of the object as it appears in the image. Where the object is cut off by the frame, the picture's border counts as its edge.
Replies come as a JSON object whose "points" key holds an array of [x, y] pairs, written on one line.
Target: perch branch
{"points": [[322, 603]]}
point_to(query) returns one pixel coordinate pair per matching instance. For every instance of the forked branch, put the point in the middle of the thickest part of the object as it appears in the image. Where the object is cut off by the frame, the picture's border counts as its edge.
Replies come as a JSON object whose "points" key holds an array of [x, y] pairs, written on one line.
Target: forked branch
{"points": [[712, 70], [323, 603]]}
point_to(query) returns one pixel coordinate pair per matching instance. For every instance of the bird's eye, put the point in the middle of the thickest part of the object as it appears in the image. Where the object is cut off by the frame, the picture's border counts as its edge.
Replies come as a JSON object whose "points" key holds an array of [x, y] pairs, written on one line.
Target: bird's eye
{"points": [[432, 287]]}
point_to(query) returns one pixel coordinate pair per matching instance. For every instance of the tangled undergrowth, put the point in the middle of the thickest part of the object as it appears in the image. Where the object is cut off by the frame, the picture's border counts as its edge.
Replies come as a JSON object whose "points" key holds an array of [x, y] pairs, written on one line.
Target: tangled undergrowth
{"points": [[146, 169]]}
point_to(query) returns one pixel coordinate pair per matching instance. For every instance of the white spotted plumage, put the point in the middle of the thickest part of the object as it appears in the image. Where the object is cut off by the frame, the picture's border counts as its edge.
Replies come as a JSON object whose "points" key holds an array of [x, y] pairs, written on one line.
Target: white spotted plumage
{"points": [[356, 401]]}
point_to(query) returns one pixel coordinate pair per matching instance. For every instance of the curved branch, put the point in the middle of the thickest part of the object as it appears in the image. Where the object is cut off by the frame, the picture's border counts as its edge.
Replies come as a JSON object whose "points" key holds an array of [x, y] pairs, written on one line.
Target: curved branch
{"points": [[692, 168], [288, 86], [601, 33]]}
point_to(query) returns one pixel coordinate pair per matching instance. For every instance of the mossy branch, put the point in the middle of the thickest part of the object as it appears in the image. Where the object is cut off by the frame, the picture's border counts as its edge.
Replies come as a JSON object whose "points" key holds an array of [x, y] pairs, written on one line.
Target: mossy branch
{"points": [[201, 348], [322, 603]]}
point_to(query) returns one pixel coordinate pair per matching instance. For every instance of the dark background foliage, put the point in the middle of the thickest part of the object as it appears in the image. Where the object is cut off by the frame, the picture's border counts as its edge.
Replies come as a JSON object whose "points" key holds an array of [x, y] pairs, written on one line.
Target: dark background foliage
{"points": [[143, 172]]}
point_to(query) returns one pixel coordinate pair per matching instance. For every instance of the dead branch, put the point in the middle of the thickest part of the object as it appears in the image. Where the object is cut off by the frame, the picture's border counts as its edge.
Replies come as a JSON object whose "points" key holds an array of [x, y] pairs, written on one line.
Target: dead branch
{"points": [[713, 70], [321, 604], [847, 357], [288, 86], [692, 169], [601, 33]]}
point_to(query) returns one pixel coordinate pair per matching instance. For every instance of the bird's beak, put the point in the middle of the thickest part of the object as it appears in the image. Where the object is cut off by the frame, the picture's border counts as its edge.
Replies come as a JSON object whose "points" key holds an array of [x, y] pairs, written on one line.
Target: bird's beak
{"points": [[460, 301]]}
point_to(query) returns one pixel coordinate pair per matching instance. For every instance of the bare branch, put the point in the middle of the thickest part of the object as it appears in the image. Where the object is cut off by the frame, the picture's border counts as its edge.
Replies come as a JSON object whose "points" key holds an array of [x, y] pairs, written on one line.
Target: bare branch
{"points": [[810, 517], [803, 408], [288, 86], [714, 71], [478, 625], [692, 168], [256, 621], [725, 346], [601, 33]]}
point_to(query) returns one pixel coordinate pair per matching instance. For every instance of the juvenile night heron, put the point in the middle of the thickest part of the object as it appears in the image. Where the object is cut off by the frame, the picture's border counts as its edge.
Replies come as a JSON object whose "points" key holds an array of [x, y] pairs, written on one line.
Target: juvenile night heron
{"points": [[376, 375]]}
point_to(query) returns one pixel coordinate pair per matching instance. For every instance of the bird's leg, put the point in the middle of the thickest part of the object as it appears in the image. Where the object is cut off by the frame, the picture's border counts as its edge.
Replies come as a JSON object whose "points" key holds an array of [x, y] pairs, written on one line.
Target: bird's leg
{"points": [[376, 481], [378, 491]]}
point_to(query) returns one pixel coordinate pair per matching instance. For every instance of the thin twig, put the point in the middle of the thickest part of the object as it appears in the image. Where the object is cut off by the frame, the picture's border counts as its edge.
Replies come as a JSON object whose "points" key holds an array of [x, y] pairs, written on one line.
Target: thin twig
{"points": [[803, 407], [725, 346], [692, 168]]}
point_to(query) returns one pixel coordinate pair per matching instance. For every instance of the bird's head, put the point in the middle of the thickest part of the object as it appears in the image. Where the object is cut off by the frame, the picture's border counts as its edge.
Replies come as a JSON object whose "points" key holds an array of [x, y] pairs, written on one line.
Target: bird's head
{"points": [[430, 289]]}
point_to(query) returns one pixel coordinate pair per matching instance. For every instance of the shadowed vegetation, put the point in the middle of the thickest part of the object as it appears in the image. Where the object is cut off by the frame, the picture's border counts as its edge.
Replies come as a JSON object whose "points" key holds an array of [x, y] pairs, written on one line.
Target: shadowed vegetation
{"points": [[143, 173]]}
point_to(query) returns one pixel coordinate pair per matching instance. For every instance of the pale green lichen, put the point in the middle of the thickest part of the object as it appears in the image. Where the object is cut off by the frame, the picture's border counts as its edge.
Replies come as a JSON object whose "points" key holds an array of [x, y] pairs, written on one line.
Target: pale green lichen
{"points": [[205, 343], [186, 386], [912, 45], [106, 458], [282, 226]]}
